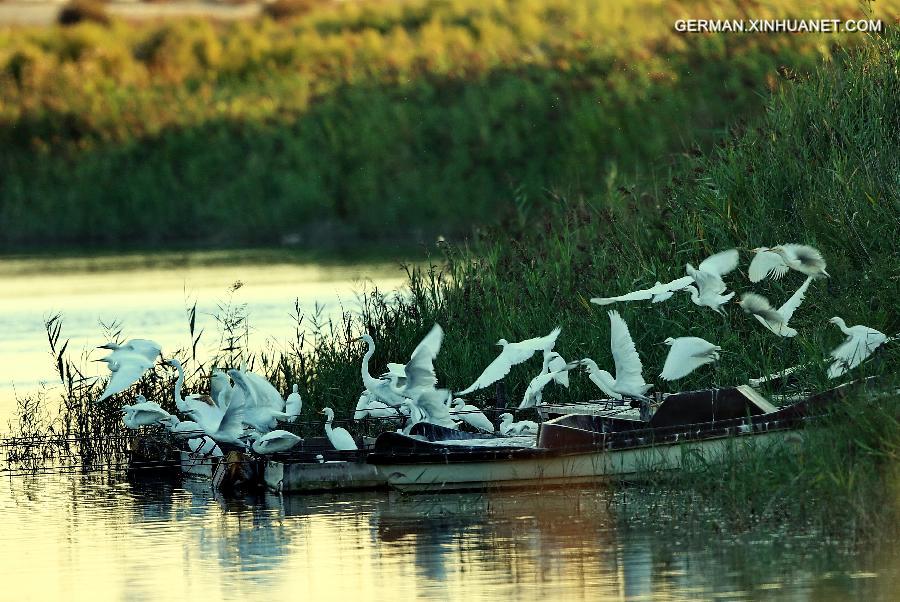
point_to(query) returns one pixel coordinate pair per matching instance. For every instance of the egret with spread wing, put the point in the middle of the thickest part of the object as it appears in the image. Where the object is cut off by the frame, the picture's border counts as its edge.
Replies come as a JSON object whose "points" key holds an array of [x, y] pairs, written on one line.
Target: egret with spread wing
{"points": [[861, 342], [128, 363], [776, 320], [512, 354], [629, 380], [686, 354], [775, 262], [708, 287]]}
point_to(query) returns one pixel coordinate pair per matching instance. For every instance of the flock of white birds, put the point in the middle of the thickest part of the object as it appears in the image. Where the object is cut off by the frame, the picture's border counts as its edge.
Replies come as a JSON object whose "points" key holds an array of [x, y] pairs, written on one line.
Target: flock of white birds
{"points": [[243, 409]]}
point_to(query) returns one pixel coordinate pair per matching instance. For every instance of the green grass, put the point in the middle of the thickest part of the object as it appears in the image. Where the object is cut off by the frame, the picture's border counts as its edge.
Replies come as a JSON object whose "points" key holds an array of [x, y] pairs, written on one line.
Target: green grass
{"points": [[366, 121]]}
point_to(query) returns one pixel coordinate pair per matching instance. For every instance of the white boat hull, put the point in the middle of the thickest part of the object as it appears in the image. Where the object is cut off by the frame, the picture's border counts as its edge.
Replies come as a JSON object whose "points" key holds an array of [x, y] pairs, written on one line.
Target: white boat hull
{"points": [[576, 468]]}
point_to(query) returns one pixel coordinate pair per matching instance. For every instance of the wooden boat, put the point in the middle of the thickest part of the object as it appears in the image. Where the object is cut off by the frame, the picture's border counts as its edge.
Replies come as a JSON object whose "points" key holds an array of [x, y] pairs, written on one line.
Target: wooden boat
{"points": [[585, 448]]}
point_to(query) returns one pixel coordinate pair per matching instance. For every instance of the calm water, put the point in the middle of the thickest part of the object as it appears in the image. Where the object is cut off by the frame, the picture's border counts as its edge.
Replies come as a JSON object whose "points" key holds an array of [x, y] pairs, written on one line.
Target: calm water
{"points": [[148, 295], [102, 538]]}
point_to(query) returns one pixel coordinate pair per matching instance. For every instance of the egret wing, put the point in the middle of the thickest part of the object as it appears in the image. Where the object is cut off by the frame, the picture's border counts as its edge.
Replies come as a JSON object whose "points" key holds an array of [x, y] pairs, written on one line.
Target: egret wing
{"points": [[721, 263], [128, 370], [500, 367], [625, 356], [790, 306], [765, 264], [420, 369], [539, 343], [640, 295], [432, 404]]}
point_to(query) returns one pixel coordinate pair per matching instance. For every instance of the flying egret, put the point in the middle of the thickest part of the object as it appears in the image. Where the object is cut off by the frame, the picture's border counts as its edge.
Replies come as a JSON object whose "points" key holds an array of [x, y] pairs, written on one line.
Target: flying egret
{"points": [[554, 362], [128, 363], [471, 415], [708, 284], [508, 428], [776, 320], [142, 413], [657, 293], [340, 438], [860, 343], [181, 429], [512, 354], [534, 393], [776, 261], [274, 442], [293, 404], [628, 380], [686, 354]]}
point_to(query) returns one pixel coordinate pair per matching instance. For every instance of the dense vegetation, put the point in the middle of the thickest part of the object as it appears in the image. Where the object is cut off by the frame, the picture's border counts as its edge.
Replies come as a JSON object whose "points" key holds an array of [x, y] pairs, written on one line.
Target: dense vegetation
{"points": [[362, 120]]}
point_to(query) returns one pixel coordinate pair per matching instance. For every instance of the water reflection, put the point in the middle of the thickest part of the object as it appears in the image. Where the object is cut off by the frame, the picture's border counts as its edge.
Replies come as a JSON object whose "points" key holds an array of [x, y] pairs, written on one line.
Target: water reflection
{"points": [[163, 538]]}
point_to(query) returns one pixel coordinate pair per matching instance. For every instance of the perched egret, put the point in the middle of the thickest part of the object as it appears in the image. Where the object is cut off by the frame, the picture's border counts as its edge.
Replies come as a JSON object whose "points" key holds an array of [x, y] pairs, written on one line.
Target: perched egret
{"points": [[471, 415], [512, 354], [339, 437], [274, 442], [861, 342], [776, 320], [368, 406], [776, 261], [629, 381], [293, 404], [415, 416], [380, 388], [708, 287], [182, 402], [686, 354], [534, 392], [128, 363], [508, 428], [143, 413], [181, 429]]}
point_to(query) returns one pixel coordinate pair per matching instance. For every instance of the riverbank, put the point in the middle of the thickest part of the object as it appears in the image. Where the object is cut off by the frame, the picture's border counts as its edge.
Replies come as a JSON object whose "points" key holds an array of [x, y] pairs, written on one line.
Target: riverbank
{"points": [[367, 121]]}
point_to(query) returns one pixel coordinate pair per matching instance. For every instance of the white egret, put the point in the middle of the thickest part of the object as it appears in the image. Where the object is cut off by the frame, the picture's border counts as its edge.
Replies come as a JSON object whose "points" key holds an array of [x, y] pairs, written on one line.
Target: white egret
{"points": [[274, 442], [434, 404], [293, 404], [657, 293], [128, 363], [143, 413], [380, 388], [219, 385], [415, 416], [223, 422], [554, 362], [708, 284], [261, 417], [471, 415], [686, 354], [418, 374], [512, 354], [534, 392], [776, 320], [181, 429], [776, 261], [368, 406], [182, 402], [508, 428], [340, 438], [629, 380], [263, 393], [860, 343]]}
